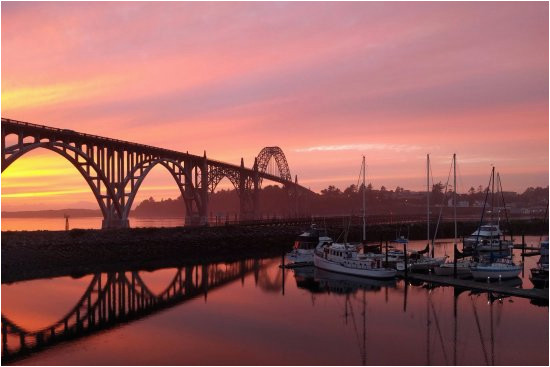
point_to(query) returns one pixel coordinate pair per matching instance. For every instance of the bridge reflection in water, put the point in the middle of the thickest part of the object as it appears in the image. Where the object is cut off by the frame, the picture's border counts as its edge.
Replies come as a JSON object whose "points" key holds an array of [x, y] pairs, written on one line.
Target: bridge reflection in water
{"points": [[366, 320], [122, 297]]}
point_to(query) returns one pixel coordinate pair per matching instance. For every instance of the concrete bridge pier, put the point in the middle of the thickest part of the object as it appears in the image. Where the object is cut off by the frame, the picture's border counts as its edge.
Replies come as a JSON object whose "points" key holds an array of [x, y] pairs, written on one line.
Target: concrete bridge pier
{"points": [[112, 223], [203, 191]]}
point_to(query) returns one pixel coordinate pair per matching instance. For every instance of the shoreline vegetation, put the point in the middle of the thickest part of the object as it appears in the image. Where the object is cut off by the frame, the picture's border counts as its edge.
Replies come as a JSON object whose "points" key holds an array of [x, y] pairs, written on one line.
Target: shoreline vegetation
{"points": [[37, 254], [330, 202]]}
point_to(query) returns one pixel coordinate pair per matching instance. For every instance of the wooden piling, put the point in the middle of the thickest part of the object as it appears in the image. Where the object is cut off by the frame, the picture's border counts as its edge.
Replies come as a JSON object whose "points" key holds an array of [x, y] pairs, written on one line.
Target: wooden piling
{"points": [[455, 251], [405, 252], [386, 252]]}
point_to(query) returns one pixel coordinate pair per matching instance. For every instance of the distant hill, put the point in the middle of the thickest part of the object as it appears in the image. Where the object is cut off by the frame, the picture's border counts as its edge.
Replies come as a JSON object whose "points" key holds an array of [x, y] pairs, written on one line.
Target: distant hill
{"points": [[53, 213]]}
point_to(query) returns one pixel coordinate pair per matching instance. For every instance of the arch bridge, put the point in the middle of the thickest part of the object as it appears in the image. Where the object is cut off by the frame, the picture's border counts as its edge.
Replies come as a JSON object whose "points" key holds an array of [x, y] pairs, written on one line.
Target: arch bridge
{"points": [[114, 170]]}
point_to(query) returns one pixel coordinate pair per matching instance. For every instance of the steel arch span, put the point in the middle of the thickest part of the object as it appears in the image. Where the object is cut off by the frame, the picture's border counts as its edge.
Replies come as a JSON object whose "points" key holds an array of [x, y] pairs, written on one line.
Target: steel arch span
{"points": [[276, 153], [114, 170]]}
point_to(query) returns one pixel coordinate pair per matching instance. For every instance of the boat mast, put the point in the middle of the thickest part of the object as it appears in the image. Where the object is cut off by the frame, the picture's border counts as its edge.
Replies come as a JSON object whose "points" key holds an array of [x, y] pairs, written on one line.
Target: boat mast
{"points": [[364, 201], [492, 208], [492, 196], [454, 199], [428, 200]]}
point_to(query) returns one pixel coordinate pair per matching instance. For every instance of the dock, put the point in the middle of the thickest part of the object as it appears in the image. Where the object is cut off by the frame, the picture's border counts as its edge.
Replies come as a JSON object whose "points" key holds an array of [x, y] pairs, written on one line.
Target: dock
{"points": [[496, 287]]}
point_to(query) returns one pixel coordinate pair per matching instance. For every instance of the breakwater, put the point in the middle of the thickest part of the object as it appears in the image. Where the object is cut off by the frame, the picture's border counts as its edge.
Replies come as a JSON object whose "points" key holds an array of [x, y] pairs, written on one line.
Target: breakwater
{"points": [[36, 254]]}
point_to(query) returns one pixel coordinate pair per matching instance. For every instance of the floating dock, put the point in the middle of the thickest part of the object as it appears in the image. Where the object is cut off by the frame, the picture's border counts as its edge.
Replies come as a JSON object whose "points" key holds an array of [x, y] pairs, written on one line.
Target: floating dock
{"points": [[496, 287]]}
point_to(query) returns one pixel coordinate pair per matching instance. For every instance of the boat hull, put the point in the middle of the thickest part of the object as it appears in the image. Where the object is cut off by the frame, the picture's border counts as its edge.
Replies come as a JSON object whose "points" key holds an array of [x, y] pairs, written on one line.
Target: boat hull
{"points": [[299, 257], [494, 274], [377, 273], [449, 270]]}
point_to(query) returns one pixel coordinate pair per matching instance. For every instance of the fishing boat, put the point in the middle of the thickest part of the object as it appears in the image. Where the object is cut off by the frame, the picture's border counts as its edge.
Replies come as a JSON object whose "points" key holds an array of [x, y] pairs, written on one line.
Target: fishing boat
{"points": [[347, 258], [304, 246]]}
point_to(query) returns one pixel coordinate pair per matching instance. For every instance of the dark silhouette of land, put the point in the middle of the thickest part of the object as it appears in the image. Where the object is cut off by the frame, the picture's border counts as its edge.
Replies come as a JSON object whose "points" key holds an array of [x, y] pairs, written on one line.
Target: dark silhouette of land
{"points": [[332, 201]]}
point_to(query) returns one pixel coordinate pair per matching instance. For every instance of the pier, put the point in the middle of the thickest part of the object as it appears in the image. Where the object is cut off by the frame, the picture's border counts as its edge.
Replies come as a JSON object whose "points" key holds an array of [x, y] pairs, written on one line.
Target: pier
{"points": [[496, 287]]}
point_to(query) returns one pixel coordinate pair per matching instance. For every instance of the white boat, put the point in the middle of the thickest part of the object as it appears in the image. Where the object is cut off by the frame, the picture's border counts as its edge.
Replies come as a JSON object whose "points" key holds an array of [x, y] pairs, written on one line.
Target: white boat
{"points": [[421, 263], [488, 238], [304, 246], [501, 269], [463, 267], [347, 259], [335, 282]]}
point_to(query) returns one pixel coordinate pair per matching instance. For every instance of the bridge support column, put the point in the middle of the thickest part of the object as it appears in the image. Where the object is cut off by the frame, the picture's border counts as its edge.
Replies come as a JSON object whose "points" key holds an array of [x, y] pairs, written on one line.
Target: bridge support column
{"points": [[204, 191], [256, 192], [112, 223], [242, 193], [191, 216]]}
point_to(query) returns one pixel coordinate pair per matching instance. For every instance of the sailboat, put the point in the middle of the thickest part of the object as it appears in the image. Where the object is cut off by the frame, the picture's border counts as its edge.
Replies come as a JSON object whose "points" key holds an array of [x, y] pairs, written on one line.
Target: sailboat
{"points": [[347, 259], [489, 237], [489, 268], [418, 261], [462, 266]]}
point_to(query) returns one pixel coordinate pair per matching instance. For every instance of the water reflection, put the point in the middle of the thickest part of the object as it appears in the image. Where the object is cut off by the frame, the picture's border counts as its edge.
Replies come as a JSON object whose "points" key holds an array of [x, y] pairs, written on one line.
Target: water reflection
{"points": [[120, 297], [253, 312], [354, 290]]}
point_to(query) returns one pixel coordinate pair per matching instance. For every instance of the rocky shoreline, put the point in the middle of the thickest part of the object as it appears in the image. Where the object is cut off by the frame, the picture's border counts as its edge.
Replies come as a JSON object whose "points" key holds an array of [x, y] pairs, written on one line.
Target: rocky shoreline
{"points": [[36, 254]]}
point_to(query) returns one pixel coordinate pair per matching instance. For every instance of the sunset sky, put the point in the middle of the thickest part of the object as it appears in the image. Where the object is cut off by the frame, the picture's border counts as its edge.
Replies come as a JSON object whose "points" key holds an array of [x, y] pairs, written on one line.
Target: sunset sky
{"points": [[327, 82]]}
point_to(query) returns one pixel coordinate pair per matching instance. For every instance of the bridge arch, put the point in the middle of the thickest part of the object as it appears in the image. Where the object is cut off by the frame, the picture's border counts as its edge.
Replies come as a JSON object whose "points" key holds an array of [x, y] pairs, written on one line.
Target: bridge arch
{"points": [[217, 174], [84, 164], [276, 153], [176, 170]]}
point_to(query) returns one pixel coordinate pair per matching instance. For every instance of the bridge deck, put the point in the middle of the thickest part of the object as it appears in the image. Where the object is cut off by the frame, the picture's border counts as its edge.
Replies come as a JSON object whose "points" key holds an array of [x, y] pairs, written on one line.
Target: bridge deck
{"points": [[540, 294]]}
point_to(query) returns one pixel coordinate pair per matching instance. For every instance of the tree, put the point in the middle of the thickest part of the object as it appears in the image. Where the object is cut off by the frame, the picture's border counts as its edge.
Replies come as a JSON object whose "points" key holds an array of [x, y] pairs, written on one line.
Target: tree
{"points": [[399, 189], [369, 187], [331, 191], [471, 191], [350, 190], [383, 188]]}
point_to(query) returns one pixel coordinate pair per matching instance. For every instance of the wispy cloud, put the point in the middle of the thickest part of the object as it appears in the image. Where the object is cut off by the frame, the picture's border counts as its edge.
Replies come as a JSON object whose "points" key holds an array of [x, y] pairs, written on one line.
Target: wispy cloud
{"points": [[361, 147]]}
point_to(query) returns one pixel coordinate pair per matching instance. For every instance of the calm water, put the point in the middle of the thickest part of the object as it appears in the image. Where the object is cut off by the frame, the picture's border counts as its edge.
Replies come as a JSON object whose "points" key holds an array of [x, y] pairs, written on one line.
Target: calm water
{"points": [[253, 313], [58, 224]]}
